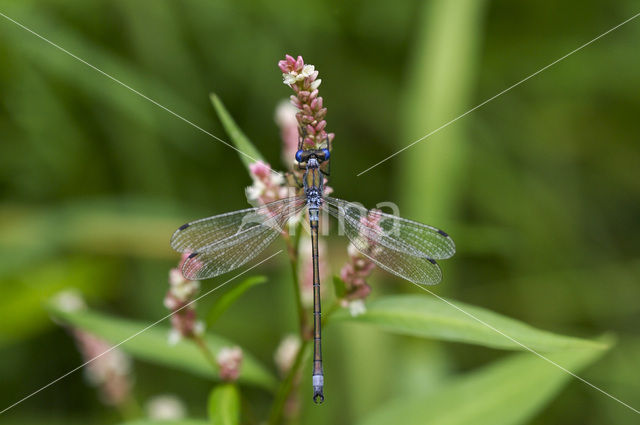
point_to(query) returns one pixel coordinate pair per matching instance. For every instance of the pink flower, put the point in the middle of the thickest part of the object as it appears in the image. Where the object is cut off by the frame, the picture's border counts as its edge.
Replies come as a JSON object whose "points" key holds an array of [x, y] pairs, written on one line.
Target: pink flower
{"points": [[284, 358], [229, 360], [109, 370], [359, 267], [179, 300], [260, 170], [286, 353], [165, 407], [303, 79], [286, 120], [184, 321], [267, 186]]}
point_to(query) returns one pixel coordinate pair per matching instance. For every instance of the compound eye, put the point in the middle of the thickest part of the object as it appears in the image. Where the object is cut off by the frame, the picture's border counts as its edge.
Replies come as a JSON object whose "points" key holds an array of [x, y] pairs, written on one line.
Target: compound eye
{"points": [[326, 153], [299, 156]]}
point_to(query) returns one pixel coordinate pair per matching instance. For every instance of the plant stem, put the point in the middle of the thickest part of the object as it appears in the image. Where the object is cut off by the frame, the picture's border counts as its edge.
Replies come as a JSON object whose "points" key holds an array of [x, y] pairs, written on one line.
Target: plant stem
{"points": [[287, 385], [130, 409], [206, 351], [294, 260]]}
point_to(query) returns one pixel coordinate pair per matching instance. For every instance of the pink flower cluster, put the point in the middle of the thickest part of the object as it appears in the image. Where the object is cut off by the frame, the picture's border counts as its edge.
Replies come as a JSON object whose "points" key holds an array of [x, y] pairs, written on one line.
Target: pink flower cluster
{"points": [[286, 119], [109, 369], [359, 267], [229, 360], [179, 300], [304, 81], [354, 274], [267, 186]]}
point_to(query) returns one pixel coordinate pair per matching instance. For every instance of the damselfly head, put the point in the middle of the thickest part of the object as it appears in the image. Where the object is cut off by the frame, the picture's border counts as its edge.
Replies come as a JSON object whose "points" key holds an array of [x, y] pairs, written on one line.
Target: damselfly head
{"points": [[321, 155]]}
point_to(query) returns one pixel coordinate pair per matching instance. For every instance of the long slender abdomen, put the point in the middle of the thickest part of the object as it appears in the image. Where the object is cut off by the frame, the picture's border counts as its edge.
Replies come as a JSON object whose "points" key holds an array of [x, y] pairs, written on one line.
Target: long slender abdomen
{"points": [[318, 375]]}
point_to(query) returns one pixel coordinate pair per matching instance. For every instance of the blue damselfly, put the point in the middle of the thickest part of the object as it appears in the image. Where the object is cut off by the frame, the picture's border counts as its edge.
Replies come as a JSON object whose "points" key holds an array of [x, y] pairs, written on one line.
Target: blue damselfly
{"points": [[225, 242]]}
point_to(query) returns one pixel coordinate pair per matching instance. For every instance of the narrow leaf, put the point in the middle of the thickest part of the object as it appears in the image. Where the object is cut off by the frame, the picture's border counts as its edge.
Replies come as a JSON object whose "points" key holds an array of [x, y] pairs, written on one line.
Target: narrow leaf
{"points": [[429, 317], [152, 345], [231, 296], [247, 151], [508, 392], [224, 405]]}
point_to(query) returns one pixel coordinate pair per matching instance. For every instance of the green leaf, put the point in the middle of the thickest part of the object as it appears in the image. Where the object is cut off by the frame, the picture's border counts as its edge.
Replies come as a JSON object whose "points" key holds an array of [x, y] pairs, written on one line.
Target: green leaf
{"points": [[25, 294], [507, 392], [224, 405], [339, 287], [167, 422], [231, 296], [150, 343], [247, 151], [429, 317]]}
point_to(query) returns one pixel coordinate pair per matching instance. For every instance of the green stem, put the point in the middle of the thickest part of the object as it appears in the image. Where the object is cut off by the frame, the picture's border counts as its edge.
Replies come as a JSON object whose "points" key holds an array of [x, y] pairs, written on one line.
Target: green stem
{"points": [[294, 260], [129, 409], [287, 385], [206, 351]]}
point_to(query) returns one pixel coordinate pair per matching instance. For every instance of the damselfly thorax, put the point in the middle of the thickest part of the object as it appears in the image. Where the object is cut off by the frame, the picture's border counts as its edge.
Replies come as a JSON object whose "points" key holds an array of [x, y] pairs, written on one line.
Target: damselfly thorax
{"points": [[313, 177]]}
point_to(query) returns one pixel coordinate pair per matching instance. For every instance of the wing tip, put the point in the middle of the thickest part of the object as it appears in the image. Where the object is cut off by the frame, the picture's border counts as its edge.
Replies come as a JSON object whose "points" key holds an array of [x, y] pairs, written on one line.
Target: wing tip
{"points": [[175, 241]]}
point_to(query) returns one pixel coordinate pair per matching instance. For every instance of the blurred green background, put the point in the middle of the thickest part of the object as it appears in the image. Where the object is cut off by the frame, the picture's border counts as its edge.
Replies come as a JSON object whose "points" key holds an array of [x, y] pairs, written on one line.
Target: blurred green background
{"points": [[539, 188]]}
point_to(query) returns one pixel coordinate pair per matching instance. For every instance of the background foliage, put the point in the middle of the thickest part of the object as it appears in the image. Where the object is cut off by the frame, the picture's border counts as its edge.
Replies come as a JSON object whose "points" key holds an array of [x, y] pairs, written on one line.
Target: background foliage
{"points": [[539, 188]]}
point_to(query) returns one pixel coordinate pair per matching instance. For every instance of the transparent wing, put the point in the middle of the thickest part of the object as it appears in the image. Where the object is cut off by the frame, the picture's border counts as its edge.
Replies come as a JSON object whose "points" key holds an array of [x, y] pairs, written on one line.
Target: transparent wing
{"points": [[228, 255], [225, 242], [398, 233], [403, 247]]}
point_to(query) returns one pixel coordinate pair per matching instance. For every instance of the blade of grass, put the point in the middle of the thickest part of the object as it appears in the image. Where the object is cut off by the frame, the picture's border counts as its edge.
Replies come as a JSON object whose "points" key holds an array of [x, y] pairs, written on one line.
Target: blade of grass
{"points": [[238, 138]]}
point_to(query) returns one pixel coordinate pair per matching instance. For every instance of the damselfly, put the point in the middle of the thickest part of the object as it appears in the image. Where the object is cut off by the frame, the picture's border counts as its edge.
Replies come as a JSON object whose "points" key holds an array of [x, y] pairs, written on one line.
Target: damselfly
{"points": [[225, 242]]}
